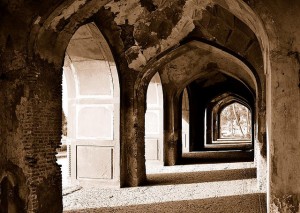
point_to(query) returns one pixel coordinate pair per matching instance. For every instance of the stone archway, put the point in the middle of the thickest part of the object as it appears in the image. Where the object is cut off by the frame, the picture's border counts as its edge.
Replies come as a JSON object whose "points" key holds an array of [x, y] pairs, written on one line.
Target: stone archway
{"points": [[182, 66], [238, 8], [93, 109], [33, 43], [214, 109]]}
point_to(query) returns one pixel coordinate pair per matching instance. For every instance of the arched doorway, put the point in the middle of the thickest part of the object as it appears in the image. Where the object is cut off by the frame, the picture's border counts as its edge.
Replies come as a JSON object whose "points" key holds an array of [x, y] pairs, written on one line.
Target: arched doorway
{"points": [[234, 123], [154, 122], [92, 108]]}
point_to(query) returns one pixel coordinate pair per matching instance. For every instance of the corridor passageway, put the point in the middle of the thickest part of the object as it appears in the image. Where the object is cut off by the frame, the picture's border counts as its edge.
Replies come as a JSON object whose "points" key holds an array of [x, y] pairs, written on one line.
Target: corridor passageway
{"points": [[157, 105], [193, 188]]}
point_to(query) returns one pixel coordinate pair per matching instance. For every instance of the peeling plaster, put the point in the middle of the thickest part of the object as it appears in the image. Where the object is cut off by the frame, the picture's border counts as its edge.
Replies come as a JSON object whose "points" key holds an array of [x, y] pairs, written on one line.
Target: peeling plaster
{"points": [[38, 19], [67, 13], [151, 51], [126, 10], [191, 10], [286, 203], [162, 3], [132, 12], [51, 38], [184, 26], [138, 62]]}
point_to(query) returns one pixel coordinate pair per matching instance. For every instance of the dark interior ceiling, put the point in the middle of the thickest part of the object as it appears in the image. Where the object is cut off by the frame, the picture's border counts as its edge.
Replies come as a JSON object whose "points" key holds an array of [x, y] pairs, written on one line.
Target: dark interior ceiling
{"points": [[223, 29]]}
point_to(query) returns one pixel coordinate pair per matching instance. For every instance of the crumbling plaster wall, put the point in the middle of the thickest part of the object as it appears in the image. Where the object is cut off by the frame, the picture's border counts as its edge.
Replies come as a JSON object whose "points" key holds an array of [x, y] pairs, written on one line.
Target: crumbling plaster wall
{"points": [[137, 38], [31, 31], [32, 134], [283, 99], [30, 120]]}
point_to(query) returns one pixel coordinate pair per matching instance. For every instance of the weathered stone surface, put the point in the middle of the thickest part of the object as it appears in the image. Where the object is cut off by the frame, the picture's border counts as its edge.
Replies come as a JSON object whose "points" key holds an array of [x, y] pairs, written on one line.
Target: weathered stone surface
{"points": [[142, 34]]}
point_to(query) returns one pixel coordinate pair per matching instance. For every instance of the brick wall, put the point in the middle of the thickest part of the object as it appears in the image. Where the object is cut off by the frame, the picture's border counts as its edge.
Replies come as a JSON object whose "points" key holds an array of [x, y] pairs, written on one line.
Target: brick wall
{"points": [[31, 132]]}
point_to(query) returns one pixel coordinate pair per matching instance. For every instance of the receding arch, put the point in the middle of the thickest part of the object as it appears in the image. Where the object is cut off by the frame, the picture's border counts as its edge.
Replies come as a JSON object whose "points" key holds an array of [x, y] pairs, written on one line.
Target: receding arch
{"points": [[226, 115], [74, 13], [241, 10], [214, 108], [199, 56], [183, 65]]}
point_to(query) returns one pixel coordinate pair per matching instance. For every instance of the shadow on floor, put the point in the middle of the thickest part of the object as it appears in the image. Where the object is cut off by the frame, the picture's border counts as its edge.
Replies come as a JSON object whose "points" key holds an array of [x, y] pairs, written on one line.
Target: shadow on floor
{"points": [[200, 177], [252, 203], [203, 157]]}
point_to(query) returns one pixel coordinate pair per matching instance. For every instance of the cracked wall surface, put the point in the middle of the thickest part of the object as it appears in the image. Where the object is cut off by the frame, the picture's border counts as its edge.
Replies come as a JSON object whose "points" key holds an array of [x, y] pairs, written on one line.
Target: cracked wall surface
{"points": [[141, 34]]}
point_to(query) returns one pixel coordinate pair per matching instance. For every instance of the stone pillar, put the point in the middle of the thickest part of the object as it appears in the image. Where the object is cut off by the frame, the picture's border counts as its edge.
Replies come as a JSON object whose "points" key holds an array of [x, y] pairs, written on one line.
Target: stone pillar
{"points": [[172, 130], [284, 132], [32, 129], [39, 114], [133, 169], [260, 149]]}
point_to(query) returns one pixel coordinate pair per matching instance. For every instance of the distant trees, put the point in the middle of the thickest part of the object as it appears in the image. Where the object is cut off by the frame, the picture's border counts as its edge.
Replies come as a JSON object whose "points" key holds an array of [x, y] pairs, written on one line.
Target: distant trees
{"points": [[235, 122]]}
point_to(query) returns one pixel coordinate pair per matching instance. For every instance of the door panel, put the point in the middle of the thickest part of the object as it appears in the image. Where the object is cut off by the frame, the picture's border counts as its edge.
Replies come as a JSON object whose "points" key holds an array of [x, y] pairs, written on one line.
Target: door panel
{"points": [[94, 162]]}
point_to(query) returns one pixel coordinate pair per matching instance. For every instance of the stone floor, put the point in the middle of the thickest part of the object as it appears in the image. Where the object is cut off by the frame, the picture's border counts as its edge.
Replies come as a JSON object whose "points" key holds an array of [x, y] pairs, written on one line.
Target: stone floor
{"points": [[221, 187], [252, 203]]}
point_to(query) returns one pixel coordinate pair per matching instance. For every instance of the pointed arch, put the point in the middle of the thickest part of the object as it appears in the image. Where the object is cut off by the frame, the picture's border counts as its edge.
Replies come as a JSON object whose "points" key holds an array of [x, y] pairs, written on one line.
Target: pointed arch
{"points": [[93, 109]]}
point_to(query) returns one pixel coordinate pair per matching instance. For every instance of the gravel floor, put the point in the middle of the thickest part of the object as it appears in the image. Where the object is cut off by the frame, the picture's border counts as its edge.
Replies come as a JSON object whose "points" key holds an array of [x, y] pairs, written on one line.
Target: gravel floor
{"points": [[252, 203], [223, 187]]}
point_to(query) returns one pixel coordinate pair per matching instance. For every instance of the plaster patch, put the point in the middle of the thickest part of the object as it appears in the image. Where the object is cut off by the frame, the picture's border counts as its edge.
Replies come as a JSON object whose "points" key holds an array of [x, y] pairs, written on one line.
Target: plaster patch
{"points": [[38, 19], [149, 52], [139, 62], [126, 10], [192, 9], [164, 76], [182, 29], [18, 61], [67, 13], [286, 203], [162, 3]]}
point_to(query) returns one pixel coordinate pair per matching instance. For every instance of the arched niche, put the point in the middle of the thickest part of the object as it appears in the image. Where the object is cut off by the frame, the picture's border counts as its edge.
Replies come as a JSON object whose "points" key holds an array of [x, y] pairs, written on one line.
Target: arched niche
{"points": [[93, 109]]}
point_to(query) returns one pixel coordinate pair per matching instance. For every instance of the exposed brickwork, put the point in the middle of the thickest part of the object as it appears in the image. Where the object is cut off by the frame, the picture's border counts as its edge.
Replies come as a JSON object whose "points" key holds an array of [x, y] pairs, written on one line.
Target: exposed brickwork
{"points": [[141, 34], [41, 138], [32, 131]]}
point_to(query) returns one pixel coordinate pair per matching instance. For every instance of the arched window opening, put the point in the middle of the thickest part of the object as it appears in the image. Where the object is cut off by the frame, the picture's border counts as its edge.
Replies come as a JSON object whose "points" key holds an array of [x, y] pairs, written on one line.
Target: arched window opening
{"points": [[235, 123]]}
